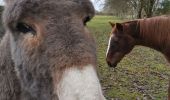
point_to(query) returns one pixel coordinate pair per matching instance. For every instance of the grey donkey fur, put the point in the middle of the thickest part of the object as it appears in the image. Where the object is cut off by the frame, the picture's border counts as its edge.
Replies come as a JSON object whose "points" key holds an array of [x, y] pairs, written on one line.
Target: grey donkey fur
{"points": [[29, 62]]}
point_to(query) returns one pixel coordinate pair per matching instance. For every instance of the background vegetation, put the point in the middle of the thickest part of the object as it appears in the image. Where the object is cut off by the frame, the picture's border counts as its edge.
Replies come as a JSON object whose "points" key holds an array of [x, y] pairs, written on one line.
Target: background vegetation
{"points": [[141, 75], [136, 8]]}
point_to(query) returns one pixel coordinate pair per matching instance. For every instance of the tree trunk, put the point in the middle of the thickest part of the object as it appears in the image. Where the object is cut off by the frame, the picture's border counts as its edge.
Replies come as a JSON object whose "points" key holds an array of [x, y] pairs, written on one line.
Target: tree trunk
{"points": [[149, 8], [139, 13], [140, 9]]}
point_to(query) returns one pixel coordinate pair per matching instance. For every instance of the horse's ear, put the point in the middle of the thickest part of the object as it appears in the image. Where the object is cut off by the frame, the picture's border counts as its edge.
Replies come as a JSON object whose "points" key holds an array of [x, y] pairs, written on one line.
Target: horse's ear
{"points": [[119, 26], [112, 24]]}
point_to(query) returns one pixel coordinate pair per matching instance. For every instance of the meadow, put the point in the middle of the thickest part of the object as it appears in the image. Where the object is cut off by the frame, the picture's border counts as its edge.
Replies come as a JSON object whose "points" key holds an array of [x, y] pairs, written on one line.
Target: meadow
{"points": [[141, 75]]}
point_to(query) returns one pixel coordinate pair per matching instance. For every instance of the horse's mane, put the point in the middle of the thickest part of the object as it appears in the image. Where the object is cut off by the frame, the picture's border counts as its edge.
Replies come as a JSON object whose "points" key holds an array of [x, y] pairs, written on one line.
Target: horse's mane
{"points": [[156, 29]]}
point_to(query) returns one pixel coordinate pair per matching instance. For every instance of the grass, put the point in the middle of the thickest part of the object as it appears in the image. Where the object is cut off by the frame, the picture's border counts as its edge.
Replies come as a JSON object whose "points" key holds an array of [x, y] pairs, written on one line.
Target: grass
{"points": [[143, 74]]}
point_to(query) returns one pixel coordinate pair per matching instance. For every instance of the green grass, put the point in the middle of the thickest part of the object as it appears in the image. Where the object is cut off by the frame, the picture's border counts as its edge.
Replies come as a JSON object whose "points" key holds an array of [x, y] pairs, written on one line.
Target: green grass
{"points": [[142, 74]]}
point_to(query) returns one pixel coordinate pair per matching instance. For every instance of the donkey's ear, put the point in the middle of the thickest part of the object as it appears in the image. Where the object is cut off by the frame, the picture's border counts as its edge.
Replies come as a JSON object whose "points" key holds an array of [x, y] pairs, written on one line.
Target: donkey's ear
{"points": [[119, 26], [112, 24]]}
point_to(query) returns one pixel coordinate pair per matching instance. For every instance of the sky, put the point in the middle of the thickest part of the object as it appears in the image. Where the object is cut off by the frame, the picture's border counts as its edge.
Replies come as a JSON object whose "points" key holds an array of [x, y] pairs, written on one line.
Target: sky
{"points": [[1, 2], [97, 4]]}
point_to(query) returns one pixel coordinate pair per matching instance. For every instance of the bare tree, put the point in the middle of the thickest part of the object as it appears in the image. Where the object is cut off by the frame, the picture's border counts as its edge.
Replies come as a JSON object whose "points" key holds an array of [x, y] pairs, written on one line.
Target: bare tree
{"points": [[134, 7]]}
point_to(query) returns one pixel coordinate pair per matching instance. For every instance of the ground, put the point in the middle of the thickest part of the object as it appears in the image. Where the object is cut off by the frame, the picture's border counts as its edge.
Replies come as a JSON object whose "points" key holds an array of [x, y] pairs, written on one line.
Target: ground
{"points": [[141, 75]]}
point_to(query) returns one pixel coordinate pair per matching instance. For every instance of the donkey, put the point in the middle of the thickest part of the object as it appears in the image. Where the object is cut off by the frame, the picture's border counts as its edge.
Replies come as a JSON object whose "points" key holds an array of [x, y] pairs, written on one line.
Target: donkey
{"points": [[150, 32], [47, 53]]}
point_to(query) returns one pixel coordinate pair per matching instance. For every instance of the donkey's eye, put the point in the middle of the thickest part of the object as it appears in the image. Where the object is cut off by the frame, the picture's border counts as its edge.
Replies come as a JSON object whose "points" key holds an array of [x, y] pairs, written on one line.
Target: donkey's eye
{"points": [[24, 28], [86, 19]]}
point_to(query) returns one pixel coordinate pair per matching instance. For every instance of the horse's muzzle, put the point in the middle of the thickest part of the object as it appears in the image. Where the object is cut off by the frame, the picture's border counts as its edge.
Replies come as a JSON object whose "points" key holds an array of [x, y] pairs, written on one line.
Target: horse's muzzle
{"points": [[113, 65]]}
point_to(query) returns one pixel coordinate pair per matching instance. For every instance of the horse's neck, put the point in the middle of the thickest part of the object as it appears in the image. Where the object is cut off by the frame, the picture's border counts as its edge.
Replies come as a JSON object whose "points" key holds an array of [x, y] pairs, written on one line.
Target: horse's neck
{"points": [[9, 82], [154, 38], [148, 42]]}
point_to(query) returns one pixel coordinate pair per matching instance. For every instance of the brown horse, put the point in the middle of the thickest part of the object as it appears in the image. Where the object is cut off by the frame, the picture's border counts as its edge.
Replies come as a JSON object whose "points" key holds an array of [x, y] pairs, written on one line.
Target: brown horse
{"points": [[150, 32], [47, 52]]}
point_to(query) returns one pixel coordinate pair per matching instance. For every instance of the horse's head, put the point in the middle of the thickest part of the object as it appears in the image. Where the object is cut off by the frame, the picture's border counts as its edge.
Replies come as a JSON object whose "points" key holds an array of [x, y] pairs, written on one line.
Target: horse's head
{"points": [[52, 50], [120, 43]]}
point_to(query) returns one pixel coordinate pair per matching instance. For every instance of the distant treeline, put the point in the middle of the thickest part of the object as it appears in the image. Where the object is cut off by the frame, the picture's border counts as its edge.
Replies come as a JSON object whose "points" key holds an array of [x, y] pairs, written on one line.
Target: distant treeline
{"points": [[137, 8]]}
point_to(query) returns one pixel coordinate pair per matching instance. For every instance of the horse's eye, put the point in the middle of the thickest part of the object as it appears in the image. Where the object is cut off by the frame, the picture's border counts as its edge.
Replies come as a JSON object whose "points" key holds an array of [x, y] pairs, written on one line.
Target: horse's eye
{"points": [[24, 28], [86, 19], [116, 41]]}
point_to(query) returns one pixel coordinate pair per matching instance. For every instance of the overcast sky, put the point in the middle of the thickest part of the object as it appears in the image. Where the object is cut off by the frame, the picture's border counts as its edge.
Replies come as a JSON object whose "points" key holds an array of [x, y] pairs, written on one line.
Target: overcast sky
{"points": [[97, 4], [1, 2]]}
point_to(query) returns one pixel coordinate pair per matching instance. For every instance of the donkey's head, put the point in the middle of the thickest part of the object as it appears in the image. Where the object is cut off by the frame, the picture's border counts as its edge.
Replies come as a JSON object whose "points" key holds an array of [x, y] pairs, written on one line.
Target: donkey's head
{"points": [[50, 46], [120, 43]]}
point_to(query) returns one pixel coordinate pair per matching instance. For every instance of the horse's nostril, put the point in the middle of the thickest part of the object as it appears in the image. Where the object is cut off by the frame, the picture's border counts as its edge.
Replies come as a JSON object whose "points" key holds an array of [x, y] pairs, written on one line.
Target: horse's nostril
{"points": [[111, 65]]}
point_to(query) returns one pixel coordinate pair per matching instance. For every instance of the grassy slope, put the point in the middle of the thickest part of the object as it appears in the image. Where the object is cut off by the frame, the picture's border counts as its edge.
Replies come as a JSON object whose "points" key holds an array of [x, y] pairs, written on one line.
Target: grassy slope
{"points": [[142, 74]]}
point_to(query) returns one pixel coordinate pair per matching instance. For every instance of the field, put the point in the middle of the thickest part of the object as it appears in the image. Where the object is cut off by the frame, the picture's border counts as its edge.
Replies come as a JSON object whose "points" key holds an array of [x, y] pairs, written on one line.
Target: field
{"points": [[141, 75]]}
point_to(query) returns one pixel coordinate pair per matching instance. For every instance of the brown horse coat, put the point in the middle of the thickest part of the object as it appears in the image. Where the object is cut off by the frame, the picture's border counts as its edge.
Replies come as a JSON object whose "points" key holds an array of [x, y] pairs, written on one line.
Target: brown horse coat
{"points": [[150, 32]]}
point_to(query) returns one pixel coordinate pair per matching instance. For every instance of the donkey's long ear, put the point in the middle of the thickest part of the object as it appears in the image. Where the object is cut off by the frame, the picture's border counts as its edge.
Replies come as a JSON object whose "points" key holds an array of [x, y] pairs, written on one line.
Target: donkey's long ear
{"points": [[112, 24], [119, 26]]}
